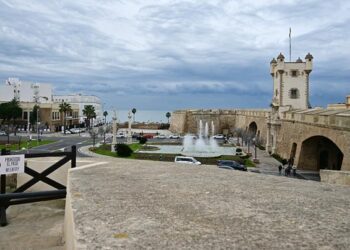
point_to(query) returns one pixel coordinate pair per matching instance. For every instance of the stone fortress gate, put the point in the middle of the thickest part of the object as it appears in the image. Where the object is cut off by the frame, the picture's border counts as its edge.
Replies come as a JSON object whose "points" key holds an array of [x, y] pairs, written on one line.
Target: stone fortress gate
{"points": [[316, 138]]}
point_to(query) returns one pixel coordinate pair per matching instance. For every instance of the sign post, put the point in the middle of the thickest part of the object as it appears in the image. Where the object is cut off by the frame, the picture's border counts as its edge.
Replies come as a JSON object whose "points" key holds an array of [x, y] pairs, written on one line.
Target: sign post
{"points": [[11, 164]]}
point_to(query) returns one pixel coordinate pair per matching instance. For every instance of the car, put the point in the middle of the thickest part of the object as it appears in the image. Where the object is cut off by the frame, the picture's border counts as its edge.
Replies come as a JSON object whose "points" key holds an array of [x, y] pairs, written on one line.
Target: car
{"points": [[120, 135], [67, 132], [75, 130], [160, 137], [148, 136], [219, 136], [232, 165], [239, 151], [3, 133], [174, 137], [187, 160]]}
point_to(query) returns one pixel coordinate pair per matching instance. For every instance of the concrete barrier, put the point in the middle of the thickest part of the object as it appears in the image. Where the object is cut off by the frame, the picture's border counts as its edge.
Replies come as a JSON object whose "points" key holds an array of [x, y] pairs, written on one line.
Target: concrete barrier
{"points": [[335, 177]]}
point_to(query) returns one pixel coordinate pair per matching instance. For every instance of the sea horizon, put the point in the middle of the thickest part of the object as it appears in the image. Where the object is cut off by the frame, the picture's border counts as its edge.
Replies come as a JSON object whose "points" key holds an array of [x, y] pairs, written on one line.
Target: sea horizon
{"points": [[140, 115]]}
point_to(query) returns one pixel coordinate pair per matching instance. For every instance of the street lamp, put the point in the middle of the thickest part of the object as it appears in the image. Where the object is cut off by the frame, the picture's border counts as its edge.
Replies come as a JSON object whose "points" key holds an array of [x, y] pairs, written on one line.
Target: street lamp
{"points": [[37, 113]]}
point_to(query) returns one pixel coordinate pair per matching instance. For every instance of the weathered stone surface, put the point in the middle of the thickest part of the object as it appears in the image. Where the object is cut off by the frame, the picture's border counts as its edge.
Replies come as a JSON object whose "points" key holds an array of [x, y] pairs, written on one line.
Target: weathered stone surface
{"points": [[335, 177], [142, 205]]}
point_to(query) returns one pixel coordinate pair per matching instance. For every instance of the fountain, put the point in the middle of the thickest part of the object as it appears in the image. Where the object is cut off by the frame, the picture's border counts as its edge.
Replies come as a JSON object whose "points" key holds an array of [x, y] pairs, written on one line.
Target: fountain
{"points": [[201, 145], [204, 145]]}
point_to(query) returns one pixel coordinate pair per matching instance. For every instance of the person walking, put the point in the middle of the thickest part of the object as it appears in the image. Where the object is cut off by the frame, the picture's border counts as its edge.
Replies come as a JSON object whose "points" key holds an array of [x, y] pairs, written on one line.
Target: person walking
{"points": [[294, 170], [280, 169]]}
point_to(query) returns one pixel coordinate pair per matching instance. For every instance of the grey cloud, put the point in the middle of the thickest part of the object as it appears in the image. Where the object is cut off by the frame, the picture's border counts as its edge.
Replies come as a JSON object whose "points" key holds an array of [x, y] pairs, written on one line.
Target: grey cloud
{"points": [[173, 48]]}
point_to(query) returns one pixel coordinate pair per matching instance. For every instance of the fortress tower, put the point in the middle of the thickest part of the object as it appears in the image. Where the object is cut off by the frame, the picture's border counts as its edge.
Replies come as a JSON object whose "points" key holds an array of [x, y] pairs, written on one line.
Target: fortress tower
{"points": [[290, 83], [290, 91]]}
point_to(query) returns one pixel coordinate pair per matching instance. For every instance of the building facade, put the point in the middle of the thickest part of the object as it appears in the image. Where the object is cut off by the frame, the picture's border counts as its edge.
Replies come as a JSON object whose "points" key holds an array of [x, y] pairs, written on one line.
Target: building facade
{"points": [[81, 101]]}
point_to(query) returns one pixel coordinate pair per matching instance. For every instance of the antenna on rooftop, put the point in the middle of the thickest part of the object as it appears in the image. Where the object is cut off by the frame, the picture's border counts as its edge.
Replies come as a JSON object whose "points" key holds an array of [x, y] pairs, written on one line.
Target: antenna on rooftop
{"points": [[290, 44]]}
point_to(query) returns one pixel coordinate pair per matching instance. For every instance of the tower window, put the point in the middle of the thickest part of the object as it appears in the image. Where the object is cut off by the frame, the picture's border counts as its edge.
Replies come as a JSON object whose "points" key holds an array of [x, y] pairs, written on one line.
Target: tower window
{"points": [[294, 93], [294, 73]]}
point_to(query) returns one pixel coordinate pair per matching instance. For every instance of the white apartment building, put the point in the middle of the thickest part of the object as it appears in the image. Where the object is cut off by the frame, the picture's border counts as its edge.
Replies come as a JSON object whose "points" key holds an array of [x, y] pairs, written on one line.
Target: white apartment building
{"points": [[82, 101], [25, 91]]}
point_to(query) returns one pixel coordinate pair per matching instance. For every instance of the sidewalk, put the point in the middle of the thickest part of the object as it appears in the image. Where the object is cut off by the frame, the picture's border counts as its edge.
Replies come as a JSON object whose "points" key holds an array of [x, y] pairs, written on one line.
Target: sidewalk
{"points": [[269, 165]]}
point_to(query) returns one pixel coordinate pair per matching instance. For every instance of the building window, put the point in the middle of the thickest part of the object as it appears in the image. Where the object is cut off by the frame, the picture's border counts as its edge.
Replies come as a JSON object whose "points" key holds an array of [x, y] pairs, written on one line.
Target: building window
{"points": [[294, 93], [294, 73]]}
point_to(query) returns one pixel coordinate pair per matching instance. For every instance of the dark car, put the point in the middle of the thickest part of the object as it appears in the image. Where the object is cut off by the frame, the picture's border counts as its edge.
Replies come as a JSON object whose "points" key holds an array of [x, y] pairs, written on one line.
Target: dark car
{"points": [[232, 165]]}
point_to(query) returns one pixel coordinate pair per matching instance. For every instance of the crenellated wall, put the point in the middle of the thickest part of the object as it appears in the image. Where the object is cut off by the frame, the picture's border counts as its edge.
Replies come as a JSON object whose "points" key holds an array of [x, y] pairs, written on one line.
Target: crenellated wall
{"points": [[313, 132]]}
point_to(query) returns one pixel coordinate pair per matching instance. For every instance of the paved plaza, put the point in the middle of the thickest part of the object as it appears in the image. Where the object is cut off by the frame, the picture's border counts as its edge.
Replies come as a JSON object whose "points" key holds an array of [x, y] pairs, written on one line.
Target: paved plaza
{"points": [[142, 204]]}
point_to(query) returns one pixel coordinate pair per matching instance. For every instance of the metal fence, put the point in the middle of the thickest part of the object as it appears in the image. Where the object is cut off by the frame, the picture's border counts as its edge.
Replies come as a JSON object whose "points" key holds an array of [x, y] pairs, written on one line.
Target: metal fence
{"points": [[20, 197]]}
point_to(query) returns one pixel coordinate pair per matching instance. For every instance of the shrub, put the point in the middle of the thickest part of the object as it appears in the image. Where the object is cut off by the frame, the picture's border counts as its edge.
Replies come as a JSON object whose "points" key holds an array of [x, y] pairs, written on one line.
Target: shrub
{"points": [[261, 147], [279, 158], [142, 140], [123, 150]]}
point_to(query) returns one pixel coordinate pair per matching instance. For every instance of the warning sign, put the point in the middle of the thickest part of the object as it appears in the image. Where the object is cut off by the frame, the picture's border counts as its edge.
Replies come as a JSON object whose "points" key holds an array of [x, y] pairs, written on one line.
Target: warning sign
{"points": [[11, 164]]}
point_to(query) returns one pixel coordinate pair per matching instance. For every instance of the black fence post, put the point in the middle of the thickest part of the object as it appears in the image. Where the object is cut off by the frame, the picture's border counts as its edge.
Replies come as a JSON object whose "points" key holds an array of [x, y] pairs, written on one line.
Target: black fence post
{"points": [[74, 156]]}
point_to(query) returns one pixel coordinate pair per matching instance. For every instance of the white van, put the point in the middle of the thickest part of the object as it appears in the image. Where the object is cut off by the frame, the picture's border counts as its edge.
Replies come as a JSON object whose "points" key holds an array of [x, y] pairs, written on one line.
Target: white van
{"points": [[187, 160]]}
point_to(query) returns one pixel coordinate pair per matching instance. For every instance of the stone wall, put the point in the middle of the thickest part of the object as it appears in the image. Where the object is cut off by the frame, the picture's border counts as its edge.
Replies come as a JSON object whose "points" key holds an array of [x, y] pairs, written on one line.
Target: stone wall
{"points": [[224, 120], [292, 131], [335, 177]]}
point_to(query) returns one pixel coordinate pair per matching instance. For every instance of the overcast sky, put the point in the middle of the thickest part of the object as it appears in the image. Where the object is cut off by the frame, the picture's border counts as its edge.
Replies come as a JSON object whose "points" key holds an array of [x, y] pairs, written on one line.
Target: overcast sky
{"points": [[167, 55]]}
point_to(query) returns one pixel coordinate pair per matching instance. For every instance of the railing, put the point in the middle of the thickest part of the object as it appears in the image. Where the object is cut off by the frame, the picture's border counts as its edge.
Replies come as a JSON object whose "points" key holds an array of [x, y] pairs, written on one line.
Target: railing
{"points": [[19, 197]]}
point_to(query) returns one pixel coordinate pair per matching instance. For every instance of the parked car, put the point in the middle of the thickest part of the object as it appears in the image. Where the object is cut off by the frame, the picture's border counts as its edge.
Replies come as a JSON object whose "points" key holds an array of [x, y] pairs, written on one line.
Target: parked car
{"points": [[67, 132], [232, 165], [174, 137], [187, 160], [120, 135], [160, 137], [3, 132], [148, 136], [219, 136], [239, 151], [76, 130]]}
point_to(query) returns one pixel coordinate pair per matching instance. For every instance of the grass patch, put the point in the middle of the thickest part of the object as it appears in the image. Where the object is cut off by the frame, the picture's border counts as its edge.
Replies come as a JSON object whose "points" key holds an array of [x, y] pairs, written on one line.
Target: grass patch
{"points": [[24, 144], [106, 150]]}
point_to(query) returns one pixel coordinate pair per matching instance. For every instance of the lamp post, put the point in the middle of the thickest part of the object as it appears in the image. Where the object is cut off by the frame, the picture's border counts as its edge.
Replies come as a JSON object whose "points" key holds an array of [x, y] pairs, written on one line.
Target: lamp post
{"points": [[37, 114], [255, 160], [114, 140]]}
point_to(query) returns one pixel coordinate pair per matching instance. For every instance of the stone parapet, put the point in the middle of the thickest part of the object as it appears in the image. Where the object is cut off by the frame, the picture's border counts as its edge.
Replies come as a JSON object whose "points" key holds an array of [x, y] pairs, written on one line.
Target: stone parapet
{"points": [[335, 177]]}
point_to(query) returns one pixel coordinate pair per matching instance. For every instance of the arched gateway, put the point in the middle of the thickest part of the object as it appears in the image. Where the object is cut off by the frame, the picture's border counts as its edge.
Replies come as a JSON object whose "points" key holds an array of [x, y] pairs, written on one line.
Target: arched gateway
{"points": [[319, 152], [253, 128]]}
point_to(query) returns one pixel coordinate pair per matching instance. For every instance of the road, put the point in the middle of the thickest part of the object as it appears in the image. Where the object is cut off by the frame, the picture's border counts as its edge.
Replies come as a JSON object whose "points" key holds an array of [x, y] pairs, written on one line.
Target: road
{"points": [[62, 143]]}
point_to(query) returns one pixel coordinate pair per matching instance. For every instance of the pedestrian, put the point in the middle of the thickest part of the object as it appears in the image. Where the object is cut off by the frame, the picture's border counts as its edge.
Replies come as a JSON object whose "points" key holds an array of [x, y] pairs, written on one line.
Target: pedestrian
{"points": [[294, 170], [280, 169]]}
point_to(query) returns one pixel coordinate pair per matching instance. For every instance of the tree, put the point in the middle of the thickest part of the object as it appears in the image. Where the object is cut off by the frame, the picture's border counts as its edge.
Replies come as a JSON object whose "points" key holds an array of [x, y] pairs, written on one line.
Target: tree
{"points": [[134, 112], [105, 113], [89, 112], [168, 115], [64, 108], [9, 112], [34, 115]]}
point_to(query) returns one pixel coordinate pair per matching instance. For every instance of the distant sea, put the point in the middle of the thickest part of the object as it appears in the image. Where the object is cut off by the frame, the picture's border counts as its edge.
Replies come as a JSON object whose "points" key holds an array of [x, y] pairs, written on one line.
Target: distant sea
{"points": [[140, 115]]}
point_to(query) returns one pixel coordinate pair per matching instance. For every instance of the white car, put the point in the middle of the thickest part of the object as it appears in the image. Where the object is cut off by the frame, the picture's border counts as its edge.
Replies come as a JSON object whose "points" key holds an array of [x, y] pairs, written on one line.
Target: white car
{"points": [[120, 135], [67, 132], [219, 136], [187, 160], [174, 137], [160, 136]]}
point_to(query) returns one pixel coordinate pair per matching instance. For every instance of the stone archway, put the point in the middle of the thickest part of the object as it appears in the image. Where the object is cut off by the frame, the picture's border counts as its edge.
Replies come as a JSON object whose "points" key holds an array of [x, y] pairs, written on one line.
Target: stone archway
{"points": [[253, 128], [319, 152]]}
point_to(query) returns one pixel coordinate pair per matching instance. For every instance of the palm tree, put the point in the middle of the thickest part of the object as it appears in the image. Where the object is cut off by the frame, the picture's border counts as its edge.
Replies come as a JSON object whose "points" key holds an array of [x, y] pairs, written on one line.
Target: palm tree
{"points": [[89, 112], [168, 115], [133, 111], [105, 113], [64, 108]]}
